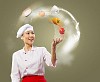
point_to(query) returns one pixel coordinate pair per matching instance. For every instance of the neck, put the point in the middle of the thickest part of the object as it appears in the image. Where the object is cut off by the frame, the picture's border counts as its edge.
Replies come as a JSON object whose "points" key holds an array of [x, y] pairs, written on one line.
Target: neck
{"points": [[27, 47]]}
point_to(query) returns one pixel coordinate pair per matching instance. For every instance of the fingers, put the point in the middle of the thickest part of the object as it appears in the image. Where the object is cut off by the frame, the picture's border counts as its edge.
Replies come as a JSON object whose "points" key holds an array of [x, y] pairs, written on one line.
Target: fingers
{"points": [[57, 41]]}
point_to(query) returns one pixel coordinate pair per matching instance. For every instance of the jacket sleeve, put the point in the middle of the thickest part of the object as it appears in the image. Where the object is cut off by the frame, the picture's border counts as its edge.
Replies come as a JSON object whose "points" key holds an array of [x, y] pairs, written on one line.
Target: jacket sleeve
{"points": [[47, 57], [15, 75]]}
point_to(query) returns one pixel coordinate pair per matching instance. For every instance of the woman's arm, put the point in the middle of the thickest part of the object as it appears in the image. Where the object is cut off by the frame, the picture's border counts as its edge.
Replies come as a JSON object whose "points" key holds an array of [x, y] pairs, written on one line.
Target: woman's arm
{"points": [[53, 49], [15, 76]]}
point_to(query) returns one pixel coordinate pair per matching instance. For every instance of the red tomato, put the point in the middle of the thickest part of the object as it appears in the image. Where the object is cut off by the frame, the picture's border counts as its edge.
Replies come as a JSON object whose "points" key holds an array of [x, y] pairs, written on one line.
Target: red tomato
{"points": [[61, 30]]}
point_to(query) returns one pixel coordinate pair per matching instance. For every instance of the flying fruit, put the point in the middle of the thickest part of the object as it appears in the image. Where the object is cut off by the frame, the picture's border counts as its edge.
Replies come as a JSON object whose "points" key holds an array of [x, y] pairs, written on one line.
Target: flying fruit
{"points": [[56, 21], [61, 30], [41, 13]]}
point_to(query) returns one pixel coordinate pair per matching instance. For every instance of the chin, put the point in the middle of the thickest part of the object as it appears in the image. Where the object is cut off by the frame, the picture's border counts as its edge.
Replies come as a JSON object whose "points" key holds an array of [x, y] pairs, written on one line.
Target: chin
{"points": [[30, 44]]}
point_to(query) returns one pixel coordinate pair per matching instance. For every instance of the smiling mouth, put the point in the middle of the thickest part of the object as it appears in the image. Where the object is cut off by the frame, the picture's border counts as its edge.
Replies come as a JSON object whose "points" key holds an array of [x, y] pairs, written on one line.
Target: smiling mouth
{"points": [[31, 39]]}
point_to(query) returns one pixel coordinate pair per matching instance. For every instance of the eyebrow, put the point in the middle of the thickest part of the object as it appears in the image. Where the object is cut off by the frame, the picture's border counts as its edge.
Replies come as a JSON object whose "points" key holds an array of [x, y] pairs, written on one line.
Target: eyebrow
{"points": [[29, 31]]}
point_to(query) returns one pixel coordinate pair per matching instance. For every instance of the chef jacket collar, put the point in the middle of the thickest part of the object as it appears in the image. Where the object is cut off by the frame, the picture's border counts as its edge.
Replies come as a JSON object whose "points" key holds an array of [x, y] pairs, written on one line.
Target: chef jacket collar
{"points": [[32, 49]]}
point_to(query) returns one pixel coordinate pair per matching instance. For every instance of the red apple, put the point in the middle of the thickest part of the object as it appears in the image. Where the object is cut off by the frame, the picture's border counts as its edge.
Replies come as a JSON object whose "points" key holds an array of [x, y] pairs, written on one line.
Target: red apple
{"points": [[61, 30]]}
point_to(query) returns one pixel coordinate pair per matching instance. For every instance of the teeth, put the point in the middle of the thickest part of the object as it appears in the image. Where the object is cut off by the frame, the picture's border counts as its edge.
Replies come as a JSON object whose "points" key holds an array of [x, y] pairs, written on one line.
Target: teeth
{"points": [[30, 39]]}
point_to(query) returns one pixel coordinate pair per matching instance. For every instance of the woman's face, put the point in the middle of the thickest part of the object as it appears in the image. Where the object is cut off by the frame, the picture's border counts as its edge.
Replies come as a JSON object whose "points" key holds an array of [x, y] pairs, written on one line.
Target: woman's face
{"points": [[28, 37]]}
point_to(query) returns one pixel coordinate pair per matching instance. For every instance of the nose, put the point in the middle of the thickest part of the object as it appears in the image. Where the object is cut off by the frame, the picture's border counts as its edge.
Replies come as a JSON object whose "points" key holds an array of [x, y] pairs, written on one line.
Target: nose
{"points": [[32, 35]]}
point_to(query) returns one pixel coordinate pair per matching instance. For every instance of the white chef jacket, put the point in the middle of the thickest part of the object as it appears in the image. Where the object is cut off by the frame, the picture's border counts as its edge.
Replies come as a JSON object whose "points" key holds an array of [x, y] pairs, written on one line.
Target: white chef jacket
{"points": [[29, 63]]}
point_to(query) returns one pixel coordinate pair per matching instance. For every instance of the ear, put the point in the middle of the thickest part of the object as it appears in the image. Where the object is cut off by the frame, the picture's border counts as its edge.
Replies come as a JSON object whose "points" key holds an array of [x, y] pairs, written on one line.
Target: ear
{"points": [[22, 37]]}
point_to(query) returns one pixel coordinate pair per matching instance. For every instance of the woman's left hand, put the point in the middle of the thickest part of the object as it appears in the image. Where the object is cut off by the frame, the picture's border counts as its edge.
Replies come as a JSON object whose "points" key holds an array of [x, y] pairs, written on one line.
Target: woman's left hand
{"points": [[56, 41], [53, 49]]}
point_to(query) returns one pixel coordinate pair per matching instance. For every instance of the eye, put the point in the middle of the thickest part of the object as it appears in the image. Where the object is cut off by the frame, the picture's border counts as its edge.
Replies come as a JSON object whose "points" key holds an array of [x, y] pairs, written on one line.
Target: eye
{"points": [[32, 32], [27, 33]]}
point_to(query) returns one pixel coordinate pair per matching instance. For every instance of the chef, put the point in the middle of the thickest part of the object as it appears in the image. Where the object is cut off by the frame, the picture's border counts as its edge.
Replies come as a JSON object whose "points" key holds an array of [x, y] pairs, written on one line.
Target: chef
{"points": [[28, 62]]}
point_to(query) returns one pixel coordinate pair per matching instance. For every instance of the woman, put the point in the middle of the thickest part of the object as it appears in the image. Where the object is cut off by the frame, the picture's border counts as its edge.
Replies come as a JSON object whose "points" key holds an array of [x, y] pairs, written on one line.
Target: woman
{"points": [[28, 63]]}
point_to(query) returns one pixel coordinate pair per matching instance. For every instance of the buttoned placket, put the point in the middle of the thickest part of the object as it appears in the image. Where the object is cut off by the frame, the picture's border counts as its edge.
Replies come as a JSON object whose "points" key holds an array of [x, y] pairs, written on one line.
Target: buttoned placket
{"points": [[26, 53], [26, 60]]}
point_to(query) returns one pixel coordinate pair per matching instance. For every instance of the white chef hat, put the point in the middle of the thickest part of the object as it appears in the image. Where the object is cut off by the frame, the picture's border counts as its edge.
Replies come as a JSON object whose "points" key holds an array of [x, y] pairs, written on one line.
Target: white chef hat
{"points": [[23, 29]]}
